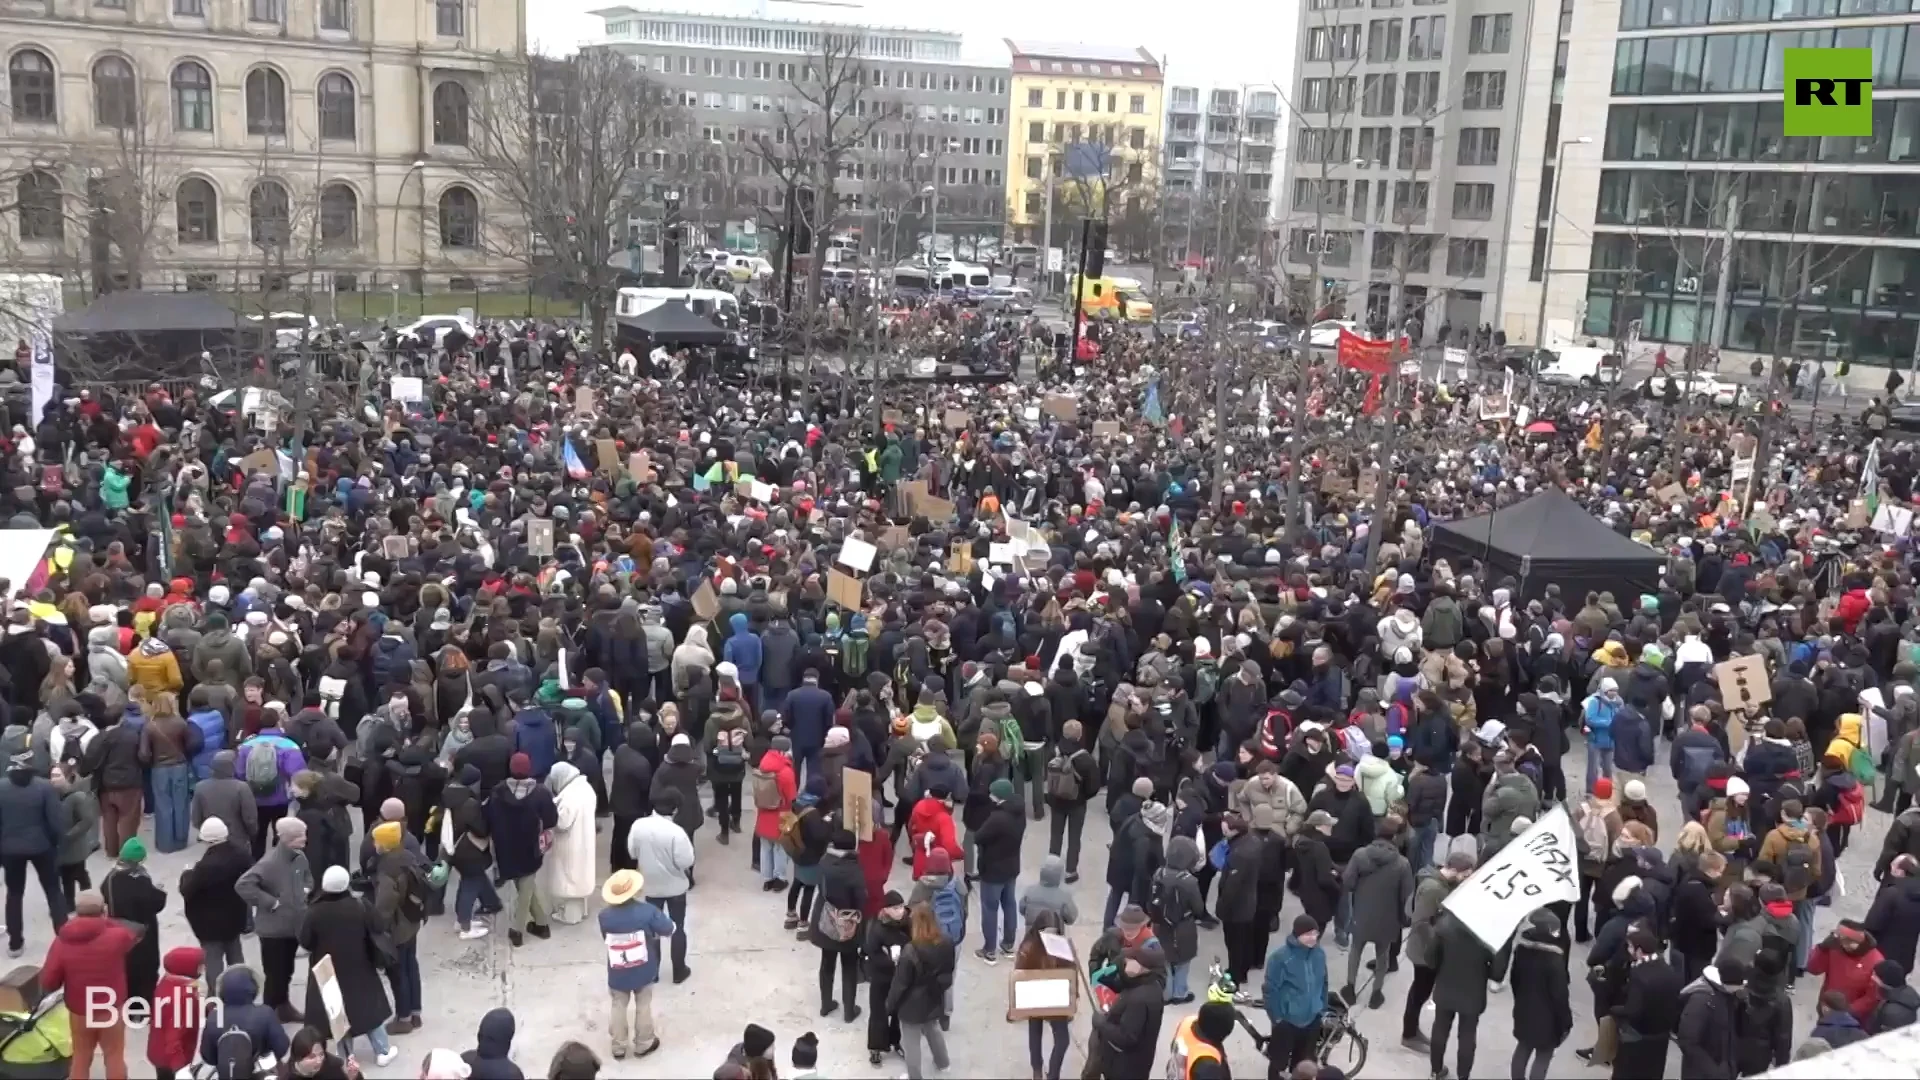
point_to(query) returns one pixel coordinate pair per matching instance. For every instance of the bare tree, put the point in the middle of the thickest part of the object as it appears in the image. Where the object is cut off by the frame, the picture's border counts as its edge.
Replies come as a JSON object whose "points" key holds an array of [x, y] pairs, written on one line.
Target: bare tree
{"points": [[566, 144]]}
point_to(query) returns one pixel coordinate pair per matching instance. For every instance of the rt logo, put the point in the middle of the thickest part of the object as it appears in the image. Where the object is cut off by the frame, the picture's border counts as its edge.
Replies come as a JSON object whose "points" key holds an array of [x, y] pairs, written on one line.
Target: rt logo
{"points": [[1829, 92]]}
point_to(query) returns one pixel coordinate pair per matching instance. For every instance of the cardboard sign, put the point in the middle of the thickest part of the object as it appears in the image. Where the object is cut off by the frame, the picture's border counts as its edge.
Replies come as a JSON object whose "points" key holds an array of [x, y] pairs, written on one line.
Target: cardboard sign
{"points": [[583, 399], [540, 537], [957, 420], [1672, 493], [1335, 483], [1062, 406], [743, 488], [936, 509], [1743, 682], [896, 537], [911, 492], [856, 553], [331, 999], [640, 467], [260, 461], [844, 589], [408, 388], [394, 547], [1106, 429], [706, 602], [1893, 519], [856, 803], [1856, 515], [1047, 994], [960, 557], [1369, 482], [609, 452]]}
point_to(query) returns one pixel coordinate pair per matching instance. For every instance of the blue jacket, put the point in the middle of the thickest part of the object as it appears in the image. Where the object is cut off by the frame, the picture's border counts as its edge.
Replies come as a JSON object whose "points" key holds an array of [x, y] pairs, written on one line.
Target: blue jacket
{"points": [[1296, 983], [533, 736], [238, 986], [613, 732], [809, 715], [742, 650], [1597, 717], [1632, 741], [213, 739], [632, 932]]}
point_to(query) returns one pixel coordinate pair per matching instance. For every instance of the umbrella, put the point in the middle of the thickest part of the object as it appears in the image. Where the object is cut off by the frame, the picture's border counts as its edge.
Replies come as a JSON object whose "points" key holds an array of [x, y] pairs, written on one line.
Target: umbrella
{"points": [[1540, 427]]}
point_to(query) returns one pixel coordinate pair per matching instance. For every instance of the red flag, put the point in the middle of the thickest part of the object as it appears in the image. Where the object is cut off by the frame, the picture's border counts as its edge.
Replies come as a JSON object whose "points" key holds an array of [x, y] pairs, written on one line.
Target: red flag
{"points": [[1372, 401], [1364, 354]]}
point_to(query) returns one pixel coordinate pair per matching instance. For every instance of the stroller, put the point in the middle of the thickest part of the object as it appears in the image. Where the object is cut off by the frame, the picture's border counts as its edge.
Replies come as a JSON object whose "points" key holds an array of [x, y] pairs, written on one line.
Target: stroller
{"points": [[37, 1045]]}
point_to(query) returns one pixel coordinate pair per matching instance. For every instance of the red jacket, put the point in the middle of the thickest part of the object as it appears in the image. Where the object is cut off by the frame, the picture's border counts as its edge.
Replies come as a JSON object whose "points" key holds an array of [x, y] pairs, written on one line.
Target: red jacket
{"points": [[876, 865], [90, 951], [1851, 975], [1853, 606], [174, 1038], [766, 823], [931, 821]]}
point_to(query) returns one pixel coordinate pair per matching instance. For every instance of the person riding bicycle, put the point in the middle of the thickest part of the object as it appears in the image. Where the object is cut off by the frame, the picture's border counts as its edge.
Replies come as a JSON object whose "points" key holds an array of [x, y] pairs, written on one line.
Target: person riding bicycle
{"points": [[1199, 1047]]}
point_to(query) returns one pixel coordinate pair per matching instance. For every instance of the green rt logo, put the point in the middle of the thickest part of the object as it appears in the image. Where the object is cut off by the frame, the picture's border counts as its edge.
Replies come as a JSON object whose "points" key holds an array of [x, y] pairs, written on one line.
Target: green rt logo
{"points": [[1829, 92]]}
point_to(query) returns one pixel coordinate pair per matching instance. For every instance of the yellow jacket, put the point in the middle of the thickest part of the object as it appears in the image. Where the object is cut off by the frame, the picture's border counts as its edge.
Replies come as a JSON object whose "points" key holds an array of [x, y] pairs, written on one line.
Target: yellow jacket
{"points": [[1850, 736], [157, 674]]}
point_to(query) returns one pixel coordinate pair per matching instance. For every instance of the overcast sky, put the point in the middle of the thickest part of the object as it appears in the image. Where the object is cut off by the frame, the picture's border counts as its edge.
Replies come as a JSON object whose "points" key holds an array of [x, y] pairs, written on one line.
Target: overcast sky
{"points": [[1205, 42]]}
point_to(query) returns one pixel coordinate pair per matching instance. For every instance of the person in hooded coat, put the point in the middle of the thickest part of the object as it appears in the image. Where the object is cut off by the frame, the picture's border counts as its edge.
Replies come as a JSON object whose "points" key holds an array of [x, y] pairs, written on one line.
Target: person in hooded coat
{"points": [[216, 913], [630, 797], [1380, 884], [1708, 1028], [340, 926], [518, 812], [1463, 969], [132, 897], [681, 771], [567, 872], [489, 751], [1542, 1006], [491, 1056]]}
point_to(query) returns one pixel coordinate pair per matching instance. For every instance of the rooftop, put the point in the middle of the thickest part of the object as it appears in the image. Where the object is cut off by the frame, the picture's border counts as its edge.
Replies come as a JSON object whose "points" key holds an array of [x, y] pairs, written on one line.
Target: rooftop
{"points": [[624, 11], [1106, 54]]}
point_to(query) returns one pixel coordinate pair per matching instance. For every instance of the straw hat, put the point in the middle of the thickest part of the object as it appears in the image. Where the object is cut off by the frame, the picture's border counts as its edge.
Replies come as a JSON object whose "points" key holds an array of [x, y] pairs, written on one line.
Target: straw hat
{"points": [[623, 886]]}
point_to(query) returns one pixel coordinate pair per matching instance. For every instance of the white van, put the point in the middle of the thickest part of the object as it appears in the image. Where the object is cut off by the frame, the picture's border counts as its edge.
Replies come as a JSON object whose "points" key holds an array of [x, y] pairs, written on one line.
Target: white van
{"points": [[1577, 365], [631, 302]]}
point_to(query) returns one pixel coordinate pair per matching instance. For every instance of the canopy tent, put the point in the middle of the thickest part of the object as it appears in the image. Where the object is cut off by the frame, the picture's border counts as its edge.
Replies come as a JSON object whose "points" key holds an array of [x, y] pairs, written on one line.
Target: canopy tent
{"points": [[671, 323], [130, 335], [150, 313], [1550, 539]]}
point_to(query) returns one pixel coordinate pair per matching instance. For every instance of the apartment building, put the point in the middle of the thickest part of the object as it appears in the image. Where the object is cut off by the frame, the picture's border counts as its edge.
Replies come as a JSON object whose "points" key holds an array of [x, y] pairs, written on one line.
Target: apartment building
{"points": [[1217, 172], [1084, 119], [250, 143], [734, 75], [1825, 258], [1425, 135]]}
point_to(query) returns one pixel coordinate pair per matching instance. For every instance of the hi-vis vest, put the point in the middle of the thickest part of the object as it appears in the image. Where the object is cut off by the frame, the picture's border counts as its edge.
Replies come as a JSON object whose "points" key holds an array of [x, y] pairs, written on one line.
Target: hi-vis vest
{"points": [[1186, 1050]]}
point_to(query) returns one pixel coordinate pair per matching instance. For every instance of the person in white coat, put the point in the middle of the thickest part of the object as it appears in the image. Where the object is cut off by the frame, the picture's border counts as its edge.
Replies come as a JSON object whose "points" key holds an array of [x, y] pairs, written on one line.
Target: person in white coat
{"points": [[663, 854], [567, 875]]}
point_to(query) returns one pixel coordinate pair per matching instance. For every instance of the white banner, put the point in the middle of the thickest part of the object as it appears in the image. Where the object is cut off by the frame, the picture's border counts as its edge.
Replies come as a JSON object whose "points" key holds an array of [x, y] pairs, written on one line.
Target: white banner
{"points": [[1539, 867], [41, 378]]}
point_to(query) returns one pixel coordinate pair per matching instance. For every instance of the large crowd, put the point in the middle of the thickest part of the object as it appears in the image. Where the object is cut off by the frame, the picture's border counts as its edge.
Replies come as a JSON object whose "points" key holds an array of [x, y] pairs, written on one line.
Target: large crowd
{"points": [[403, 661]]}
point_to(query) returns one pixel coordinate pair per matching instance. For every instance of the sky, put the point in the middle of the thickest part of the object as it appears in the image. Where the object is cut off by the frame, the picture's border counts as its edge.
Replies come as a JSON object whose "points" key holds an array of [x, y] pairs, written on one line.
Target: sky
{"points": [[1204, 42]]}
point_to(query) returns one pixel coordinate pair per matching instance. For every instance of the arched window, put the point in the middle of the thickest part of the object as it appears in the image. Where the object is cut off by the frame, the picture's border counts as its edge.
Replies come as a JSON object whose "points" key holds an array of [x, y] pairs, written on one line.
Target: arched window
{"points": [[38, 197], [266, 102], [336, 107], [339, 216], [196, 212], [30, 86], [115, 93], [269, 213], [192, 97], [459, 218], [450, 114]]}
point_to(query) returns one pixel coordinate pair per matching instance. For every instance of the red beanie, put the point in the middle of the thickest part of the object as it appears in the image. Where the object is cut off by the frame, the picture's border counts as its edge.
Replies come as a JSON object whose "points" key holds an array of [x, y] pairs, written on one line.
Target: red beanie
{"points": [[521, 766], [1603, 788]]}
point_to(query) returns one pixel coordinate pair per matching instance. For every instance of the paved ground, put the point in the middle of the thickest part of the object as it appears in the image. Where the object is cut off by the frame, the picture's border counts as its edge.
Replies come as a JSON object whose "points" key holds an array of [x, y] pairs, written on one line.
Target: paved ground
{"points": [[747, 968]]}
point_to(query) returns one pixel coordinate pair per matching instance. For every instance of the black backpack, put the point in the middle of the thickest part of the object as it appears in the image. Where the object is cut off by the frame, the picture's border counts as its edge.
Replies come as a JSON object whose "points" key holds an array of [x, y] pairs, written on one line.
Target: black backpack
{"points": [[233, 1056]]}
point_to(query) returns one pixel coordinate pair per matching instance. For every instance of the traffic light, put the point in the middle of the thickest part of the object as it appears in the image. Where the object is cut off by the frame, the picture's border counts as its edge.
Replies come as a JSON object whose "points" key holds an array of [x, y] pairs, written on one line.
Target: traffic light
{"points": [[1096, 255]]}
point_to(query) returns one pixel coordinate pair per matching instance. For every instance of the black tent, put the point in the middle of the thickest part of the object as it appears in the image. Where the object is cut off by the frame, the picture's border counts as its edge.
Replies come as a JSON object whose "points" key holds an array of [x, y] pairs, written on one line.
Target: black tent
{"points": [[1550, 539], [144, 335], [133, 312], [671, 323]]}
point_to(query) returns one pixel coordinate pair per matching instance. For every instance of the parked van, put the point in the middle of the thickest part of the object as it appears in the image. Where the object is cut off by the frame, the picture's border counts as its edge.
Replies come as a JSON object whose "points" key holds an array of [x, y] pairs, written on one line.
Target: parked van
{"points": [[1105, 297], [1577, 365]]}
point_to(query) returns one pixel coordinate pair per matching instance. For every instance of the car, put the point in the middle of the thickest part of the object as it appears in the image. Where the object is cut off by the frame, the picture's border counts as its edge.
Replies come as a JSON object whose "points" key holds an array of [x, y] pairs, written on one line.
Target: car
{"points": [[1179, 326], [437, 326], [288, 327], [1700, 386], [1263, 332], [1576, 366], [1012, 299], [1325, 334], [1904, 419]]}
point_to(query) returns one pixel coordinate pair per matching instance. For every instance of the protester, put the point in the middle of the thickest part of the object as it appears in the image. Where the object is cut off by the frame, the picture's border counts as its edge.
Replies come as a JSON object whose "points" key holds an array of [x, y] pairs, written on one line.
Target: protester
{"points": [[632, 929]]}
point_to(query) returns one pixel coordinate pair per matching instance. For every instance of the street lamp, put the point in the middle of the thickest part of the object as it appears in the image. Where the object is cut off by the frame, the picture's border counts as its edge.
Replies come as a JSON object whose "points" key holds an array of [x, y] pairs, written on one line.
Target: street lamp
{"points": [[932, 191], [418, 164], [1546, 265]]}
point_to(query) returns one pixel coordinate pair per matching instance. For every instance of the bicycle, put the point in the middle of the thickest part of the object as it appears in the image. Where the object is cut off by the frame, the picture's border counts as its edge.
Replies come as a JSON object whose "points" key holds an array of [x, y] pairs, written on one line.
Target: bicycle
{"points": [[1341, 1043]]}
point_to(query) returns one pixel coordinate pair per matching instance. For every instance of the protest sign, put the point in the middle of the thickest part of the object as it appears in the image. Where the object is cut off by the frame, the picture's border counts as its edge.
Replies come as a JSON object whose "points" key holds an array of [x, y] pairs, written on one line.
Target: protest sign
{"points": [[1106, 429], [1062, 406], [843, 589], [706, 602], [1536, 868], [856, 803], [583, 399], [1743, 682], [609, 455], [856, 553], [957, 419], [408, 388], [540, 537]]}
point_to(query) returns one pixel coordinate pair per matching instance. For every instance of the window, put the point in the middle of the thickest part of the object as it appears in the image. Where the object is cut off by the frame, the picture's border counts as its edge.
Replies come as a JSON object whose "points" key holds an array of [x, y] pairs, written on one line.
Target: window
{"points": [[1467, 258], [1416, 148], [1036, 98], [1137, 138], [1033, 202], [190, 9], [459, 218], [1346, 42], [1376, 146], [1137, 104], [1484, 90], [336, 102], [1313, 95], [1479, 146], [1037, 131], [1473, 202], [450, 114], [194, 207], [266, 11], [1409, 201], [1383, 41], [450, 17], [1342, 94], [1732, 62], [30, 86], [1490, 34], [1060, 100], [115, 94], [192, 97], [339, 216], [266, 102], [1379, 95], [1421, 94], [1426, 36], [269, 214], [336, 14], [1077, 100], [38, 197], [1319, 43]]}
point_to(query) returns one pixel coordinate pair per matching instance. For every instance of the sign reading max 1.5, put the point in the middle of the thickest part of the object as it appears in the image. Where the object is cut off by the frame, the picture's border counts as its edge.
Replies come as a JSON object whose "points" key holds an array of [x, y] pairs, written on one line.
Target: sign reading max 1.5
{"points": [[1828, 92]]}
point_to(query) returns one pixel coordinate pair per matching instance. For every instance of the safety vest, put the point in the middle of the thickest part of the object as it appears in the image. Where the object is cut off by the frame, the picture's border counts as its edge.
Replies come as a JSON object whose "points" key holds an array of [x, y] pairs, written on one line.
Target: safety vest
{"points": [[1188, 1049]]}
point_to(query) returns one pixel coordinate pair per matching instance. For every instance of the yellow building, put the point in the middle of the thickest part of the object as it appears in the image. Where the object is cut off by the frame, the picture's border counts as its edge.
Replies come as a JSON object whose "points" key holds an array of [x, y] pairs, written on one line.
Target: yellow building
{"points": [[1106, 99]]}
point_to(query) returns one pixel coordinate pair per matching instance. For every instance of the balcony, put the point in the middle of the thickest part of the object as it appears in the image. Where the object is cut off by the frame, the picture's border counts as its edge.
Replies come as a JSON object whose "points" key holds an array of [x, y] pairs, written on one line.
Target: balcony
{"points": [[1183, 164], [1224, 105], [1263, 105], [1260, 135], [1187, 104]]}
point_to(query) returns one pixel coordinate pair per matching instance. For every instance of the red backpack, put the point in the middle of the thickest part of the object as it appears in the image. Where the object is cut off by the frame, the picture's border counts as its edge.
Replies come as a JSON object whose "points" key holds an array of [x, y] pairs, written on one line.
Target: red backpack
{"points": [[1851, 809]]}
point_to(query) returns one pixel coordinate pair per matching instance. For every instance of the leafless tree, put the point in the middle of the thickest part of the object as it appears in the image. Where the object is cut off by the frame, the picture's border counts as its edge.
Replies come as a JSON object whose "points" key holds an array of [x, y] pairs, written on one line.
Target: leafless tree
{"points": [[566, 144]]}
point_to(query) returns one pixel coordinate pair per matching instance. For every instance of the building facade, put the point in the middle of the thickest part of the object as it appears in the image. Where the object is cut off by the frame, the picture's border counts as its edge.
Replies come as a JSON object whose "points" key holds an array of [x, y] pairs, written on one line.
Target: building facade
{"points": [[1103, 103], [1424, 143], [1218, 152], [250, 144], [732, 76], [1825, 252]]}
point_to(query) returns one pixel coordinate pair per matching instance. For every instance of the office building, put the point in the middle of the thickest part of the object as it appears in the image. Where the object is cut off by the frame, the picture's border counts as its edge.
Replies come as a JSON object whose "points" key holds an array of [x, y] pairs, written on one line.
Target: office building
{"points": [[250, 144], [1423, 156], [1104, 104], [1825, 260], [733, 76], [1217, 176]]}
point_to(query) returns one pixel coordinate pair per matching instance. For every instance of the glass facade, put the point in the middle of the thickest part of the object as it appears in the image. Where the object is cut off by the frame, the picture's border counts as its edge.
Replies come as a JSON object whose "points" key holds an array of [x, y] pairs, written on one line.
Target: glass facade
{"points": [[1754, 61]]}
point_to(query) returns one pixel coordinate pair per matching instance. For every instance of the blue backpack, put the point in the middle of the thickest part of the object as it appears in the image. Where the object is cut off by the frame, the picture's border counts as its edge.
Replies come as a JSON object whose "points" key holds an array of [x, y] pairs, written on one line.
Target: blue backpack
{"points": [[950, 911]]}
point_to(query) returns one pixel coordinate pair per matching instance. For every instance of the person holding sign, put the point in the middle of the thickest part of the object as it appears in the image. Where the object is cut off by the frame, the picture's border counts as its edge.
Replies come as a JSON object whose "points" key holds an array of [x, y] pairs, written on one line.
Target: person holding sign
{"points": [[631, 929]]}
